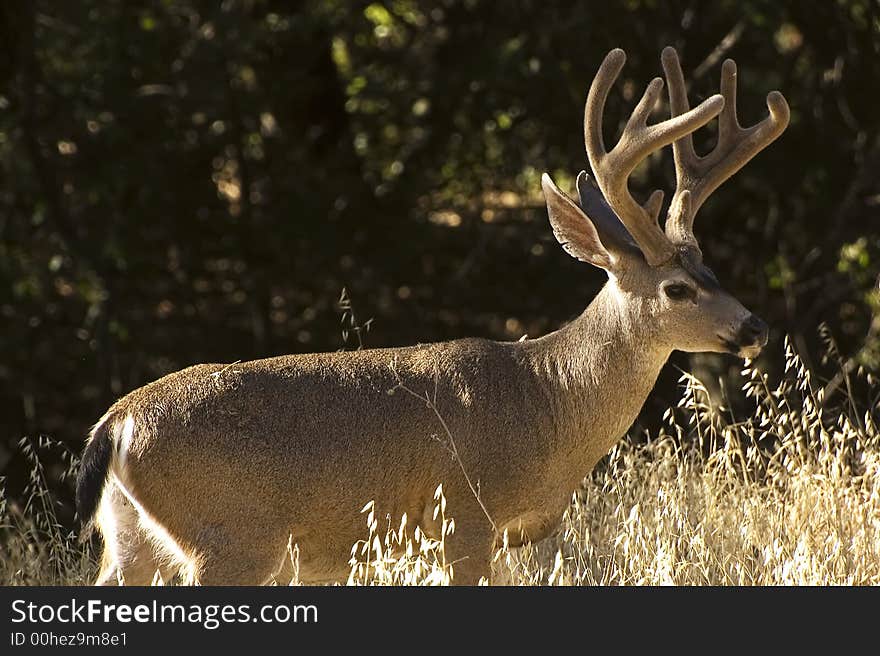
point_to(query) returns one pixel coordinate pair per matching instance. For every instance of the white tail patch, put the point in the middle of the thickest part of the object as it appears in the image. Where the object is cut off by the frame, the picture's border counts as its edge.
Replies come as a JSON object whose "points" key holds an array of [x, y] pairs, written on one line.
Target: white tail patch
{"points": [[123, 442], [109, 527], [119, 528]]}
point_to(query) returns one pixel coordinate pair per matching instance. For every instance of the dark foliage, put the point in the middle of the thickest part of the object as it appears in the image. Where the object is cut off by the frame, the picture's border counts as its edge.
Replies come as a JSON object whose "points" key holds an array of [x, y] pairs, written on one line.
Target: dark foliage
{"points": [[197, 181]]}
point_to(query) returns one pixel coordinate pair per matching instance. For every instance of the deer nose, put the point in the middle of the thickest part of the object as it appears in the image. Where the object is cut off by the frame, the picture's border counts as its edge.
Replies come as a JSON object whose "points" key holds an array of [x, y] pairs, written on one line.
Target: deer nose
{"points": [[753, 331]]}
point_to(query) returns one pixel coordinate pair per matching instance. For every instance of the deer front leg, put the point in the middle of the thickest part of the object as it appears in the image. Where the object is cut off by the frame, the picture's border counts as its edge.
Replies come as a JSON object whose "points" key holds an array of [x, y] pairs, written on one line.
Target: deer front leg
{"points": [[469, 550]]}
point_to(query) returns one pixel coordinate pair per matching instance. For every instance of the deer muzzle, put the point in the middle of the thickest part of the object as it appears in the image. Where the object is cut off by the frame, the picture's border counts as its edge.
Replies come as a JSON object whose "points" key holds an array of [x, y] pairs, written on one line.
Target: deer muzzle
{"points": [[752, 336]]}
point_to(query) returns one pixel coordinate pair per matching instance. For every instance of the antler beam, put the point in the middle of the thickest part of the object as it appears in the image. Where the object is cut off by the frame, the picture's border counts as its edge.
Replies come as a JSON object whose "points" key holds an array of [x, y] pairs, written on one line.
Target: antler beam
{"points": [[612, 169], [697, 177]]}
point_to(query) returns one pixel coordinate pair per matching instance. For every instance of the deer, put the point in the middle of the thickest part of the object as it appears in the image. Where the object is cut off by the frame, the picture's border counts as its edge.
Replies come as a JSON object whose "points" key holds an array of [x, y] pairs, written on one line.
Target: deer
{"points": [[217, 469]]}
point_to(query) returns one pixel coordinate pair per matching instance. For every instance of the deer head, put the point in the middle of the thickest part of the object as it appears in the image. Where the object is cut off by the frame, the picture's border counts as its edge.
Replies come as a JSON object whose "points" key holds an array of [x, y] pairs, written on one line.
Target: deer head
{"points": [[660, 275]]}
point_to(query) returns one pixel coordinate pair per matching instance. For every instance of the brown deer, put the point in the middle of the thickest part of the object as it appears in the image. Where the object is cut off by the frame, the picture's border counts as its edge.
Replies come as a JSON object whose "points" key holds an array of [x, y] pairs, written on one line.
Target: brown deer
{"points": [[215, 468]]}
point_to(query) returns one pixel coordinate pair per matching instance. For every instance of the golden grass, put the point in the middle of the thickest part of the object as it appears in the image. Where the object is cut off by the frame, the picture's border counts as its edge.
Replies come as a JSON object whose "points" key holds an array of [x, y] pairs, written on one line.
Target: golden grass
{"points": [[789, 495]]}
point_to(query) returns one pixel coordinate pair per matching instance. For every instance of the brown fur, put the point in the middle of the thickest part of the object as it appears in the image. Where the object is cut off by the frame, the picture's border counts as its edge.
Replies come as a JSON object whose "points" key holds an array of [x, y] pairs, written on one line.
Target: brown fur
{"points": [[232, 460]]}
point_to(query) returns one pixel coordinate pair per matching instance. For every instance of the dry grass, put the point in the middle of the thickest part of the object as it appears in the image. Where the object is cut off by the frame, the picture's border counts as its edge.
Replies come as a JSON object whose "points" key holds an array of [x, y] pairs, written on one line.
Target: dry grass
{"points": [[35, 548], [789, 495]]}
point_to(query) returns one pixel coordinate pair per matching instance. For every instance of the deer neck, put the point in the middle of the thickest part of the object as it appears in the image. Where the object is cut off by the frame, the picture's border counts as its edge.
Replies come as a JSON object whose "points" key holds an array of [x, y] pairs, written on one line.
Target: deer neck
{"points": [[598, 370]]}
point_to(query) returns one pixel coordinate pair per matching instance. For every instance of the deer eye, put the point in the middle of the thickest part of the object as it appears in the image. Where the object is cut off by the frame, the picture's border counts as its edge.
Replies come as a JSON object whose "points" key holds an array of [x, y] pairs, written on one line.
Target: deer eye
{"points": [[677, 291]]}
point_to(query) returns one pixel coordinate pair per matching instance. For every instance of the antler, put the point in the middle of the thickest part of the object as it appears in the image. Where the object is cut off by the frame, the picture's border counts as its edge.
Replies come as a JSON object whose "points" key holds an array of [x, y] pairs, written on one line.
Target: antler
{"points": [[697, 177], [612, 169]]}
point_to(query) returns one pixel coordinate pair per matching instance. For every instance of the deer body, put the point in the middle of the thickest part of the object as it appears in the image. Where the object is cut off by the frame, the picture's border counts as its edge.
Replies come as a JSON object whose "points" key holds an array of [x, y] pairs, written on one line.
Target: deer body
{"points": [[217, 468], [273, 435]]}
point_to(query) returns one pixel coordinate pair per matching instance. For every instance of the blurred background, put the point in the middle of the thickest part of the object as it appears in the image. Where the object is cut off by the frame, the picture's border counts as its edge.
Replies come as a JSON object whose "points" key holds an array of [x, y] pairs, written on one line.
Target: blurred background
{"points": [[188, 182]]}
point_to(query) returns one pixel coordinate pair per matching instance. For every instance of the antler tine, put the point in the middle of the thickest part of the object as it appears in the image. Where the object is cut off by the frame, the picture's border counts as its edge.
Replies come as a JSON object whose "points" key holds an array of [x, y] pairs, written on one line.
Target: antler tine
{"points": [[697, 177], [612, 169]]}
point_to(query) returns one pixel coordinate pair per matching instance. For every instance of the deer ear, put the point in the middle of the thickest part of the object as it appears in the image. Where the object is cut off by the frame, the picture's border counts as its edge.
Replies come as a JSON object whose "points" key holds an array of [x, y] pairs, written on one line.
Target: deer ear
{"points": [[573, 229]]}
